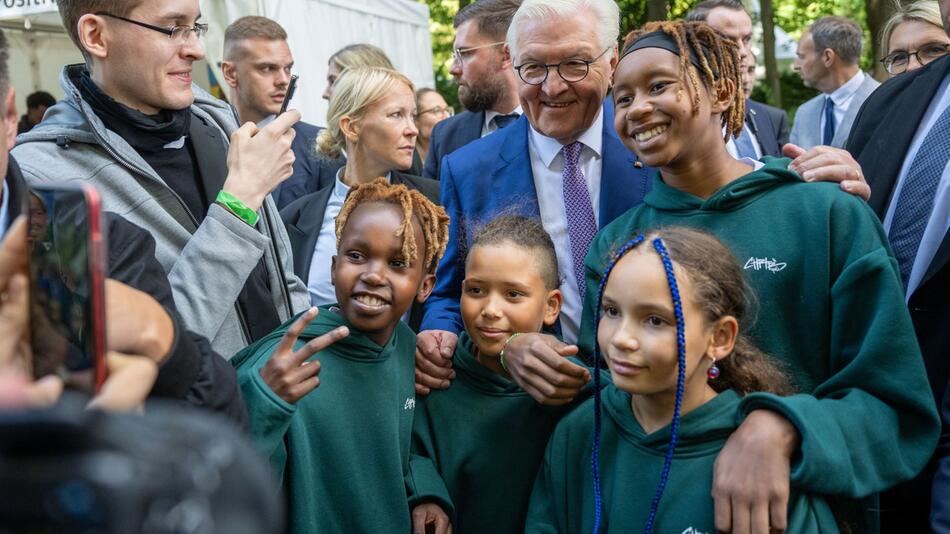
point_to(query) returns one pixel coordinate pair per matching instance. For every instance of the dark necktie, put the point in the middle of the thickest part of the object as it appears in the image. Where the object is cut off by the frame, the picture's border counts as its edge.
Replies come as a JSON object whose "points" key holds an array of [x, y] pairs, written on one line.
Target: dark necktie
{"points": [[918, 194], [581, 224], [500, 121], [829, 133]]}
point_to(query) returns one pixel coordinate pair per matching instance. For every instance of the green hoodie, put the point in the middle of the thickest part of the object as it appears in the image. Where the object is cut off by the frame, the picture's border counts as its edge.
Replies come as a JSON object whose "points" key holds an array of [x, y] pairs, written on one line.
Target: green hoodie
{"points": [[831, 306], [631, 462], [478, 445], [342, 452]]}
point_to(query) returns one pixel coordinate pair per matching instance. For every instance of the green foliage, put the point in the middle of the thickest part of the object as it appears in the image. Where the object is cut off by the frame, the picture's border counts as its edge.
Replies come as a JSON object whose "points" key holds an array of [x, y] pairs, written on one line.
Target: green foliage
{"points": [[441, 13], [794, 93]]}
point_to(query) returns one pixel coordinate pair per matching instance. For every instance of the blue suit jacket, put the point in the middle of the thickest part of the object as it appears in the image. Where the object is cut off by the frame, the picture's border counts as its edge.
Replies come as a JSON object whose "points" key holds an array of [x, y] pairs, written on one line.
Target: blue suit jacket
{"points": [[450, 135], [492, 176]]}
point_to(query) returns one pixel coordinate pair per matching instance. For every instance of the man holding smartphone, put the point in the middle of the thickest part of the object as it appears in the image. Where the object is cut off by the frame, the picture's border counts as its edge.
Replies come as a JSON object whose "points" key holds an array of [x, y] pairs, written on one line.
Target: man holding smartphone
{"points": [[257, 69], [157, 147]]}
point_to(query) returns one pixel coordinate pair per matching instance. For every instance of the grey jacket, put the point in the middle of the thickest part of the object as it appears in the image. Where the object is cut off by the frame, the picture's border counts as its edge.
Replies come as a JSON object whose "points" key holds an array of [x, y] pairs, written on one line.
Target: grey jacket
{"points": [[207, 265], [806, 132]]}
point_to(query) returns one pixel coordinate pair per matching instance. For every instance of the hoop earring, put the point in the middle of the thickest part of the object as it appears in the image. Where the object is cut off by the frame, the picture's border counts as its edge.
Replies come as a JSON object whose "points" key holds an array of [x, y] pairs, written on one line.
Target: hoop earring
{"points": [[713, 371]]}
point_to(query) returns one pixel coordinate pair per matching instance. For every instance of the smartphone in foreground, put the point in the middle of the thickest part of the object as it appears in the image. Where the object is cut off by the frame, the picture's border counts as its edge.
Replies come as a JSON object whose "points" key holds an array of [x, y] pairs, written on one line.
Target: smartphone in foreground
{"points": [[67, 293], [291, 89]]}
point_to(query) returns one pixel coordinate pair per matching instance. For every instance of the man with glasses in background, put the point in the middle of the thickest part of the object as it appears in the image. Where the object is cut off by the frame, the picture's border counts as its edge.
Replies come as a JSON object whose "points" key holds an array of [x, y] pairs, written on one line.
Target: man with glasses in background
{"points": [[487, 83], [561, 162], [157, 147]]}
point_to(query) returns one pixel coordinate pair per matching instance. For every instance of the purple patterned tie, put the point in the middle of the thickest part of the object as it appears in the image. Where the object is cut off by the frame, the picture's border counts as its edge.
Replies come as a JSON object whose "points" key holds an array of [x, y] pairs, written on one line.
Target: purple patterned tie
{"points": [[581, 225]]}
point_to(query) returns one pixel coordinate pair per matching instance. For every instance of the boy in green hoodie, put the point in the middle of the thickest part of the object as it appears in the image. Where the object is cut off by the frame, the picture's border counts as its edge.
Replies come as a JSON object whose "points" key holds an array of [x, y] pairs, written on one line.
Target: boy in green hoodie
{"points": [[674, 306], [479, 443], [342, 450], [828, 287]]}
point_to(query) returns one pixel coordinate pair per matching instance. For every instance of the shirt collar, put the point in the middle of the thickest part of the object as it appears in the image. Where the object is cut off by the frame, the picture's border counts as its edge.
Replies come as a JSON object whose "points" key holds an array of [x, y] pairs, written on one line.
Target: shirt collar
{"points": [[548, 148], [489, 115], [4, 209], [843, 93], [340, 189]]}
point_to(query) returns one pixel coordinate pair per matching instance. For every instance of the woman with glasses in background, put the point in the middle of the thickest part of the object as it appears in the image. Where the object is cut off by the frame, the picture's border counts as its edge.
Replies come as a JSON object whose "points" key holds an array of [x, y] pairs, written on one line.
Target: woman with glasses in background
{"points": [[431, 109], [913, 37]]}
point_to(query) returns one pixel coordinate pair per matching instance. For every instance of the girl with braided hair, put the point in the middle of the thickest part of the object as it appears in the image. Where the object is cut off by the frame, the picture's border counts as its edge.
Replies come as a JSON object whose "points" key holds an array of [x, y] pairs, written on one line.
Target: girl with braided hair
{"points": [[673, 308], [341, 449], [832, 311]]}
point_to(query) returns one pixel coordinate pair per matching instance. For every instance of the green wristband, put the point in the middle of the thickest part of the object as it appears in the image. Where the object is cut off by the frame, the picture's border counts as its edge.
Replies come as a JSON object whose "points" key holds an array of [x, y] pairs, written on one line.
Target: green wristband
{"points": [[235, 206]]}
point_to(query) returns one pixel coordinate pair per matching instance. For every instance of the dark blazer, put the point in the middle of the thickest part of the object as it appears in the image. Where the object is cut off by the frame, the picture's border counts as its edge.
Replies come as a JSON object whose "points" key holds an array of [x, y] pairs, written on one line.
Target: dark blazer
{"points": [[304, 218], [493, 175], [450, 135], [940, 509], [881, 136], [311, 171], [770, 126]]}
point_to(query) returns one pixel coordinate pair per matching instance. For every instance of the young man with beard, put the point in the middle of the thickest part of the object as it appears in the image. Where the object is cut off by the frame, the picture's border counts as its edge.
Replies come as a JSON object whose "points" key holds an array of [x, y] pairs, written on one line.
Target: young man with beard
{"points": [[488, 85], [133, 124]]}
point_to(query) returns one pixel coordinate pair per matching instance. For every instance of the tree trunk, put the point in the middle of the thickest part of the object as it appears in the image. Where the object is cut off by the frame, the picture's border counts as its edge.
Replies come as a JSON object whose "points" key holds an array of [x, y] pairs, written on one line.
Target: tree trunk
{"points": [[768, 50], [658, 10], [878, 12]]}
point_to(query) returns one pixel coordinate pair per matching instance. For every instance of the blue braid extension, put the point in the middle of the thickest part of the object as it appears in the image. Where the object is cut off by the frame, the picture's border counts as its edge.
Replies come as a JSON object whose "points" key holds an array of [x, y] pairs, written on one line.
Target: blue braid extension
{"points": [[681, 350], [595, 445]]}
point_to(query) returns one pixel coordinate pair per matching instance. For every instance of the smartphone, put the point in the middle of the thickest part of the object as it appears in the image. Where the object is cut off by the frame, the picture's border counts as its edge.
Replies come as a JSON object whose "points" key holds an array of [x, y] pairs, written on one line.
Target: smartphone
{"points": [[290, 94], [67, 292]]}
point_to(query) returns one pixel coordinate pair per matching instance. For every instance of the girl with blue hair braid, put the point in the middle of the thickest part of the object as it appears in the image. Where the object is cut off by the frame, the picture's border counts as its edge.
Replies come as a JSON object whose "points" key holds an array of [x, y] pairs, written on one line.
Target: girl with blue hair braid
{"points": [[672, 307]]}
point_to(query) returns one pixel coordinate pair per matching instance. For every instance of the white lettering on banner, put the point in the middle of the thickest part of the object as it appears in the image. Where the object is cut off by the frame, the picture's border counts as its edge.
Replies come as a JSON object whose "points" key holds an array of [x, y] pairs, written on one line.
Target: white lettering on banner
{"points": [[17, 8]]}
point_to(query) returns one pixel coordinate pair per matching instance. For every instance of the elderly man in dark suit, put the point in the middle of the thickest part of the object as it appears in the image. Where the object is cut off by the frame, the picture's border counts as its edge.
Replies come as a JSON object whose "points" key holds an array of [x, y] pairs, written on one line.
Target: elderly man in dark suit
{"points": [[901, 138], [488, 86]]}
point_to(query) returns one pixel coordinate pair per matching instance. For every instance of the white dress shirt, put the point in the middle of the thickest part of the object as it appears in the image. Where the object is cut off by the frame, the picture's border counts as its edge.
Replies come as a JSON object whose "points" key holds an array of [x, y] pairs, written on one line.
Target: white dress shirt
{"points": [[547, 164], [939, 222], [488, 126], [731, 144], [318, 282], [842, 98]]}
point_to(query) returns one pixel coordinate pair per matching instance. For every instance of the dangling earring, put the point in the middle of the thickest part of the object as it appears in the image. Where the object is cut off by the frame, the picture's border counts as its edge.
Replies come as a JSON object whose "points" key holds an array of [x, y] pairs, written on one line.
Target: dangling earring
{"points": [[713, 371]]}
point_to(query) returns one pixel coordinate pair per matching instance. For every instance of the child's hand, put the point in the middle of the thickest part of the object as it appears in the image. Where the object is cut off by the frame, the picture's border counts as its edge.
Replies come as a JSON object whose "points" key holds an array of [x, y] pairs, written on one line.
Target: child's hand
{"points": [[429, 517], [288, 373]]}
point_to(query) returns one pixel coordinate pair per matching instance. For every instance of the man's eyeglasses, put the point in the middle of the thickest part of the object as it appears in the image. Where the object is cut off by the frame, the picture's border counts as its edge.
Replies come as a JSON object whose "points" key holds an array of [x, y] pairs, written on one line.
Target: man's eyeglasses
{"points": [[458, 54], [570, 70], [175, 33], [438, 110], [896, 62]]}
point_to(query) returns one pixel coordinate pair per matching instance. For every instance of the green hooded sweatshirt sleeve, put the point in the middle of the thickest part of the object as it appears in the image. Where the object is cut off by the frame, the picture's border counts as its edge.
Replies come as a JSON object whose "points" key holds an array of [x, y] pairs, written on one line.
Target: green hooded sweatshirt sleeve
{"points": [[342, 453], [831, 307], [482, 441], [631, 462]]}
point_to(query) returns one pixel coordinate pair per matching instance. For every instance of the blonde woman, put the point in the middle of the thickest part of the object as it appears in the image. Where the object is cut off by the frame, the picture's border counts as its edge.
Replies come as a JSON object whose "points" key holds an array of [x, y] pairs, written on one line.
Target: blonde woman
{"points": [[371, 118], [913, 37]]}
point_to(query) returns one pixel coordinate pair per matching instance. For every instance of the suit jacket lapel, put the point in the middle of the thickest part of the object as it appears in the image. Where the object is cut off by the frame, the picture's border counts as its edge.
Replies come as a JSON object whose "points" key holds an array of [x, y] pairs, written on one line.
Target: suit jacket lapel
{"points": [[617, 193], [939, 261], [761, 126], [471, 129], [305, 229], [211, 151], [513, 180], [901, 122], [844, 129]]}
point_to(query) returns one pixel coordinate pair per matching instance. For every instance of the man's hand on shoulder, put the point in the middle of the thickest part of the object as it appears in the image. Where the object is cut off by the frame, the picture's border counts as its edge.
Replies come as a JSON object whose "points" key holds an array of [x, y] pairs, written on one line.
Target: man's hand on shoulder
{"points": [[538, 364], [434, 350], [828, 164]]}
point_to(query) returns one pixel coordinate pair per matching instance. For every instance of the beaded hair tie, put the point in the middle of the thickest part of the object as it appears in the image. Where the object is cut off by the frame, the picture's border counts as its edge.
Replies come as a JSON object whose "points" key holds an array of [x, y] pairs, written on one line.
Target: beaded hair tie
{"points": [[681, 378]]}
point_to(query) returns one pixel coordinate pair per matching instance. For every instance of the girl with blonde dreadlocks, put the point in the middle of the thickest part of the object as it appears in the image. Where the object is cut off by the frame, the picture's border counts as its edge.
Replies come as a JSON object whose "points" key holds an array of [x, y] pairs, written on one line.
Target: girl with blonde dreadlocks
{"points": [[342, 450], [832, 305]]}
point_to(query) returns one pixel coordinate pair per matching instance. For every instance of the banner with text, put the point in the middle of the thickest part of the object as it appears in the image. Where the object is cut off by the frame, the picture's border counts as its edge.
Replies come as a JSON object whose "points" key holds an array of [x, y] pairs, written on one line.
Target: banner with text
{"points": [[12, 9]]}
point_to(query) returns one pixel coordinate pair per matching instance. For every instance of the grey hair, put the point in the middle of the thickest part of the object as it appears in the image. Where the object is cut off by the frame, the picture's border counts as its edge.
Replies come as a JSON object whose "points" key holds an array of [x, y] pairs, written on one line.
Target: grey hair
{"points": [[606, 11], [840, 34]]}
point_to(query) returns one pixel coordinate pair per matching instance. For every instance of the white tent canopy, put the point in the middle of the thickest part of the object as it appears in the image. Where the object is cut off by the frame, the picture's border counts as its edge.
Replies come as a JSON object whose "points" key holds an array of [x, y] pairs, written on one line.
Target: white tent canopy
{"points": [[316, 29]]}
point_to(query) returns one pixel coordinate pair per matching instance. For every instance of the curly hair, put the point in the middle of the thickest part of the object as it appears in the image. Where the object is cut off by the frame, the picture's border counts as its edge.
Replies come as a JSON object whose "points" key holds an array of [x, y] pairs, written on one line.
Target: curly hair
{"points": [[432, 218], [719, 60]]}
